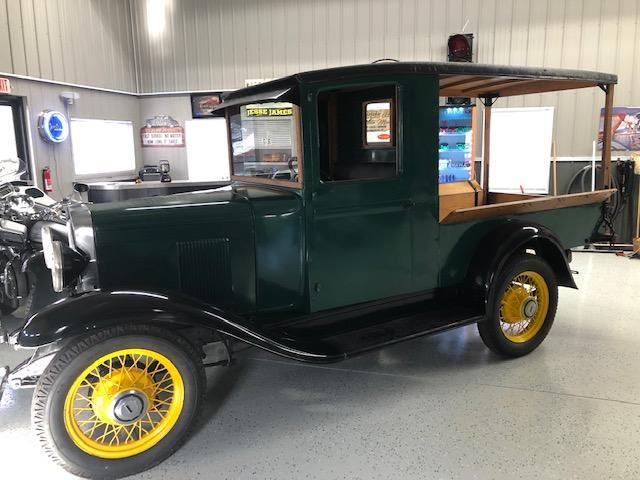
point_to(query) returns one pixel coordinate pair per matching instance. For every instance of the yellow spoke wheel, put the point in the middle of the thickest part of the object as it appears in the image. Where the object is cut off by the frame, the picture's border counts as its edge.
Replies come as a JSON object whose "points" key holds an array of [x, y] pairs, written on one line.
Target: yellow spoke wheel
{"points": [[524, 306], [124, 403]]}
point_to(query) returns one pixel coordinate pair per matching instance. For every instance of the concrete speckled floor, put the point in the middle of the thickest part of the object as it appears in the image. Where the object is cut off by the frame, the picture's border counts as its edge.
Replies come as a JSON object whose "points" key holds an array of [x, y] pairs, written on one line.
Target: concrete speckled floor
{"points": [[434, 408]]}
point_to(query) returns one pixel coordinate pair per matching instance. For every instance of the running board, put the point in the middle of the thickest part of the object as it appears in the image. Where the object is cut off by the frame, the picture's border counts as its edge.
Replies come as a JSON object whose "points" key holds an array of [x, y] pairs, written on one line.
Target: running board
{"points": [[355, 336]]}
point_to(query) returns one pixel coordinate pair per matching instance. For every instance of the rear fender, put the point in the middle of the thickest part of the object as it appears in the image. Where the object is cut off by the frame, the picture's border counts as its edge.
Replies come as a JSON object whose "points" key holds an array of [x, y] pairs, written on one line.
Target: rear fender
{"points": [[73, 316], [509, 239]]}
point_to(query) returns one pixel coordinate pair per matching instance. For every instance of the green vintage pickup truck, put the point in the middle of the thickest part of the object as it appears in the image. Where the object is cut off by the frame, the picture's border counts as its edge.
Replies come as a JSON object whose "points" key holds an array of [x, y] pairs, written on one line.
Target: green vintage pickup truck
{"points": [[334, 238]]}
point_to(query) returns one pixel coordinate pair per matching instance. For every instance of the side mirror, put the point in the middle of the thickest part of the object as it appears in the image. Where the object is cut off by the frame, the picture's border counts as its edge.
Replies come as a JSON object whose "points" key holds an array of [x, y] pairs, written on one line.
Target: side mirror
{"points": [[80, 187]]}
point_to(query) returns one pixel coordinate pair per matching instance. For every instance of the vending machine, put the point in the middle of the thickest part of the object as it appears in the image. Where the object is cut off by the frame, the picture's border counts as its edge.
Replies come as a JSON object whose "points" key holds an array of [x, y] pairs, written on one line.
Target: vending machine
{"points": [[456, 143]]}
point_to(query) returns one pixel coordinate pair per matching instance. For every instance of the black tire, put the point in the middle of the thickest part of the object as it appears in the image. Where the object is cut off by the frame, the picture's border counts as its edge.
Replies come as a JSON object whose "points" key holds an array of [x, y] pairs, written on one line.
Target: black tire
{"points": [[54, 384], [9, 303], [490, 328]]}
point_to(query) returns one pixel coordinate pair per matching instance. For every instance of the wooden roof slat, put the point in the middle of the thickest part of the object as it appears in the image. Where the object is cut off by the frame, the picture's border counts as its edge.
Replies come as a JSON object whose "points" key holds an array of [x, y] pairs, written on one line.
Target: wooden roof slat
{"points": [[446, 80], [474, 86], [496, 87], [541, 86], [461, 80], [493, 84]]}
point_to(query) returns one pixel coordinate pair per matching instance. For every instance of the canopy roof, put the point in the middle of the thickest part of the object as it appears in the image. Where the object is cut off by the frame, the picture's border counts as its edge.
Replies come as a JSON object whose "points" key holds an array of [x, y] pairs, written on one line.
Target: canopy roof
{"points": [[505, 86], [456, 79]]}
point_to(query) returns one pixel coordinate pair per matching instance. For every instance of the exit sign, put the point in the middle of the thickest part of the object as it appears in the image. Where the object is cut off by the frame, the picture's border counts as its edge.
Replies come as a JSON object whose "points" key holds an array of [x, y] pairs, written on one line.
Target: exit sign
{"points": [[5, 85]]}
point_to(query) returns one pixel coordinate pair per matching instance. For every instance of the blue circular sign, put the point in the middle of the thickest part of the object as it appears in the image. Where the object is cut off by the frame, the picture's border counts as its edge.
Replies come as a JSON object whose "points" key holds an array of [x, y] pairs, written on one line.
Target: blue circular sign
{"points": [[53, 126]]}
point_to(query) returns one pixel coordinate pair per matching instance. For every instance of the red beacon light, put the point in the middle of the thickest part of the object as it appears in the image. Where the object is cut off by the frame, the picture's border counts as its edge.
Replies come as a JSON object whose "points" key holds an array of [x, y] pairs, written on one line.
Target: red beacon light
{"points": [[460, 47]]}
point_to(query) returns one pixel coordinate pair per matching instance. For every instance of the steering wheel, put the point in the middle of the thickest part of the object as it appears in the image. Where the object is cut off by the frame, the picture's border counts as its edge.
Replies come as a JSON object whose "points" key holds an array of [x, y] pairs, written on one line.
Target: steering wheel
{"points": [[293, 170]]}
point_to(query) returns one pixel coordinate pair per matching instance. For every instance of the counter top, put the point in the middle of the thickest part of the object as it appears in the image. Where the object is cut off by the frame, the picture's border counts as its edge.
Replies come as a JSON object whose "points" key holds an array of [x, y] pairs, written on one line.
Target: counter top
{"points": [[131, 185]]}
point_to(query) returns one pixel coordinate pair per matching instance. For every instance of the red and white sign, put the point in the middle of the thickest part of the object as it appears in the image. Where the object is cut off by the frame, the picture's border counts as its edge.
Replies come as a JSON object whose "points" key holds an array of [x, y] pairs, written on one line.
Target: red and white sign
{"points": [[5, 85], [162, 137], [162, 131]]}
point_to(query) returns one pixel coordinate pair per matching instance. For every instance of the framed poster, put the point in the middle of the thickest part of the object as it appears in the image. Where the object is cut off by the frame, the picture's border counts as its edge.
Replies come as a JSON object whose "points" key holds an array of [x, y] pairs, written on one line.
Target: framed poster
{"points": [[625, 128], [202, 104]]}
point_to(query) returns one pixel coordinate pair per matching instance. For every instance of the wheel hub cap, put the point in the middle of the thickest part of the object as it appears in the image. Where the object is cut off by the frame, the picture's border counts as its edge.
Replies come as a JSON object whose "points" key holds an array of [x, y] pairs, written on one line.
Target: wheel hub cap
{"points": [[129, 406], [529, 307]]}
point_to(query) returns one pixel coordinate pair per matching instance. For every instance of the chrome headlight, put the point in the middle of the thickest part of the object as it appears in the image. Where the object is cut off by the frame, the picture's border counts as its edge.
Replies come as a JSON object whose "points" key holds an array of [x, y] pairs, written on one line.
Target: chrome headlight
{"points": [[81, 239], [53, 258]]}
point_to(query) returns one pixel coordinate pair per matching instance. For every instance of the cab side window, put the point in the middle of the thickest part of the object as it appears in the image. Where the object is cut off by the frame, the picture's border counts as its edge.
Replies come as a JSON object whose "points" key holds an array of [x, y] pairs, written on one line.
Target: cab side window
{"points": [[357, 130]]}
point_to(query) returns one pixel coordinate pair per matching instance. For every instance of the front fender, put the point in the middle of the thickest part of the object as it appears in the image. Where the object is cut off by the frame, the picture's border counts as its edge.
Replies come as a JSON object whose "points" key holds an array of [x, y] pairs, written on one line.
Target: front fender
{"points": [[498, 246], [92, 311]]}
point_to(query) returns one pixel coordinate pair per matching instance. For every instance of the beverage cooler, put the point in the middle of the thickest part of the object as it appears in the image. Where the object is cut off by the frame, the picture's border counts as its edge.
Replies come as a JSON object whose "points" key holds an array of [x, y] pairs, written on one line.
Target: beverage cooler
{"points": [[456, 143]]}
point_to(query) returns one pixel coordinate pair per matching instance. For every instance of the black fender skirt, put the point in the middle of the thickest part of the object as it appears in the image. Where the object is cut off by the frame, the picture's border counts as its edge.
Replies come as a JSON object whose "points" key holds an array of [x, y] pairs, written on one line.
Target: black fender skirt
{"points": [[92, 311]]}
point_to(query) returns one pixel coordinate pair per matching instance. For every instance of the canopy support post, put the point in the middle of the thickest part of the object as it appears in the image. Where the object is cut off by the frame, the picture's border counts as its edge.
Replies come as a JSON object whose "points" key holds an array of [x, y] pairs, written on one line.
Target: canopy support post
{"points": [[487, 101], [606, 137]]}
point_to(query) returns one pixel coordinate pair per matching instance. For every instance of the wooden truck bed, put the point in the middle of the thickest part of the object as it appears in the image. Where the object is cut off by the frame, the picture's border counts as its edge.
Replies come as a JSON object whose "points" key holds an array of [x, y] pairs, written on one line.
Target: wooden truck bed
{"points": [[525, 206]]}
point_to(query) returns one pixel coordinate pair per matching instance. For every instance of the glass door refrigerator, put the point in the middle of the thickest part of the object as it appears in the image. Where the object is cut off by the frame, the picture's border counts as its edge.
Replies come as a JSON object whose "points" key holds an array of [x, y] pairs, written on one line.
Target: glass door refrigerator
{"points": [[456, 145]]}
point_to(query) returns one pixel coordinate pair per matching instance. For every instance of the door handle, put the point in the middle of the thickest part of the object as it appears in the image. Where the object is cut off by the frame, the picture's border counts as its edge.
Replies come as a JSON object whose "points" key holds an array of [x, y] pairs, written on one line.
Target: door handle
{"points": [[408, 203]]}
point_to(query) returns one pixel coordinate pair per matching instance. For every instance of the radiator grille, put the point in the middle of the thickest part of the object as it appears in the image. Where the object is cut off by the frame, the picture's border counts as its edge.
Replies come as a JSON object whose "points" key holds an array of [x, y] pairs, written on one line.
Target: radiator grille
{"points": [[205, 269]]}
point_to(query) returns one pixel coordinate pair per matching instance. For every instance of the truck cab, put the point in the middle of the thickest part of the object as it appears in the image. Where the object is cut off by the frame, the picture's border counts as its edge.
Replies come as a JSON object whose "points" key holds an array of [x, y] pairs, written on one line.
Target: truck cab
{"points": [[363, 159]]}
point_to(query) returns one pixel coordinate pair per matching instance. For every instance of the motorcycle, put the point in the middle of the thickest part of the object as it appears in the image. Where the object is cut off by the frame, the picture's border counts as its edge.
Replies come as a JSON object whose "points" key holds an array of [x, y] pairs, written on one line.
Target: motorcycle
{"points": [[24, 210]]}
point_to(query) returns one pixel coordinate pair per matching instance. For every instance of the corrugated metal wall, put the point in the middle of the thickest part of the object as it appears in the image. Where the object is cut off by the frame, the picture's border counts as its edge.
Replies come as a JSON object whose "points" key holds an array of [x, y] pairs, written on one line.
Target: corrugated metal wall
{"points": [[87, 42], [213, 44], [219, 44]]}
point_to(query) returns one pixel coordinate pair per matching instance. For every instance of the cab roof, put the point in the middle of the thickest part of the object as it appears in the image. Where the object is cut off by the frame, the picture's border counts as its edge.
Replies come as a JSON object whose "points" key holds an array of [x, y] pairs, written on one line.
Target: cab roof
{"points": [[457, 79]]}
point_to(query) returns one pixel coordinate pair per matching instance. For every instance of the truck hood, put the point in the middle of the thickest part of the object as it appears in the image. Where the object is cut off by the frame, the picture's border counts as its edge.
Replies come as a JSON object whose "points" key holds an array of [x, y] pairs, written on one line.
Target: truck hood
{"points": [[180, 208], [199, 243]]}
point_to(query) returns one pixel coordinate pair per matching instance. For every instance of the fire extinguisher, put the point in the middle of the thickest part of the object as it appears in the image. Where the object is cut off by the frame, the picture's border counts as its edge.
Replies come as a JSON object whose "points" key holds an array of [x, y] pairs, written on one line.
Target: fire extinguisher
{"points": [[46, 179]]}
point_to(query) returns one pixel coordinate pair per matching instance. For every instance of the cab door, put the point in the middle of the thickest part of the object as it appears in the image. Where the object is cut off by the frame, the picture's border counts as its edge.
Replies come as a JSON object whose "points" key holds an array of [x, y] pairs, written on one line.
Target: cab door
{"points": [[361, 205]]}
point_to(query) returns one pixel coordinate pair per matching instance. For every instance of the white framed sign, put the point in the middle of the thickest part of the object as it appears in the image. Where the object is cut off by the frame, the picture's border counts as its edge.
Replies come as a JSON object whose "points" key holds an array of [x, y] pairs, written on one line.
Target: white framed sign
{"points": [[207, 149], [521, 150]]}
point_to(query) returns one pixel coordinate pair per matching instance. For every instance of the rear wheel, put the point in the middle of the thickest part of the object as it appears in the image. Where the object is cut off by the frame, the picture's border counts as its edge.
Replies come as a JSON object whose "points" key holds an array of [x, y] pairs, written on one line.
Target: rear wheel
{"points": [[523, 307], [118, 401]]}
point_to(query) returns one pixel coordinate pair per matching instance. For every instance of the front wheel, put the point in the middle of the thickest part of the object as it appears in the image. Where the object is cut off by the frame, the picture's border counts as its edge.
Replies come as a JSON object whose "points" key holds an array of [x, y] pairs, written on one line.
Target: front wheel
{"points": [[118, 401], [523, 307], [9, 301]]}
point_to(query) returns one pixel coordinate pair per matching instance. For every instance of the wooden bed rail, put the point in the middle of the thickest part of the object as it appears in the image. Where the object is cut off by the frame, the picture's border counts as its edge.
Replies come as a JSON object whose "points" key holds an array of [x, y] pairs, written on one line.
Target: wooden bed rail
{"points": [[526, 206]]}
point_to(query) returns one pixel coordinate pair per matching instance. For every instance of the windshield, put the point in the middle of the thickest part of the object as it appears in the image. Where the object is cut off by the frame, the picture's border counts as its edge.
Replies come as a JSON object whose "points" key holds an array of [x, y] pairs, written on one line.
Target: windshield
{"points": [[264, 141]]}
